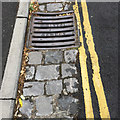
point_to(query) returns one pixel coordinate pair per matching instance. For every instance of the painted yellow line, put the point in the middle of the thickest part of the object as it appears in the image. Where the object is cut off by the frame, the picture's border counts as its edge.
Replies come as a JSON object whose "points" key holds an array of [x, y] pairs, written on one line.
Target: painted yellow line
{"points": [[84, 73], [104, 112]]}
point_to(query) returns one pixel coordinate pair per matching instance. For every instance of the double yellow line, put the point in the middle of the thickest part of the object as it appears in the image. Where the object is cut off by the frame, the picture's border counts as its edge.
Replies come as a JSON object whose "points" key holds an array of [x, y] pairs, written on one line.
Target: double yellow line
{"points": [[103, 108]]}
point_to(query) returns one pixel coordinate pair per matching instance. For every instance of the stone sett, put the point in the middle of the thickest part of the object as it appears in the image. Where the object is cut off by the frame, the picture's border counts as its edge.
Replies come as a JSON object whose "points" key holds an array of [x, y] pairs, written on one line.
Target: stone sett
{"points": [[54, 7], [65, 0], [53, 57], [44, 106], [27, 108], [73, 110], [54, 87], [33, 88], [68, 70], [67, 6], [70, 55], [35, 57], [71, 85], [66, 103], [45, 1], [47, 72], [62, 115], [30, 70], [42, 8]]}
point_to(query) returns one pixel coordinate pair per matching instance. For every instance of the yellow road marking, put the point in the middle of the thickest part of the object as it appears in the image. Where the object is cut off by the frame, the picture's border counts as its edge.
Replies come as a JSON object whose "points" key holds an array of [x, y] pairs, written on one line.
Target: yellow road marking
{"points": [[84, 73], [104, 112]]}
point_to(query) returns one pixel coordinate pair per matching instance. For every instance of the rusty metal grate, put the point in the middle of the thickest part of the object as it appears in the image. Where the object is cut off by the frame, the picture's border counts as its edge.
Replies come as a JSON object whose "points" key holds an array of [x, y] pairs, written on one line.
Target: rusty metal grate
{"points": [[53, 31]]}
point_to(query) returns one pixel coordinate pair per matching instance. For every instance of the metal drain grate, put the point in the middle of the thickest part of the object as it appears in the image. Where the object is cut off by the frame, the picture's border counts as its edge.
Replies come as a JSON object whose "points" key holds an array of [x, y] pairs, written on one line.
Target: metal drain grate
{"points": [[53, 31]]}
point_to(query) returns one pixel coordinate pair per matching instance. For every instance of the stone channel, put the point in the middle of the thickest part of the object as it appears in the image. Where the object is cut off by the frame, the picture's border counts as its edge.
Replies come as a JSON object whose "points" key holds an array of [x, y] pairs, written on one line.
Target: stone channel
{"points": [[51, 85]]}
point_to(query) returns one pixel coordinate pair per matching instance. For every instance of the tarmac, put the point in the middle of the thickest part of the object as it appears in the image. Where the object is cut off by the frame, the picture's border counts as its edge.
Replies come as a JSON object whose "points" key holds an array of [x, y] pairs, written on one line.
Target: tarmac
{"points": [[105, 31], [9, 11]]}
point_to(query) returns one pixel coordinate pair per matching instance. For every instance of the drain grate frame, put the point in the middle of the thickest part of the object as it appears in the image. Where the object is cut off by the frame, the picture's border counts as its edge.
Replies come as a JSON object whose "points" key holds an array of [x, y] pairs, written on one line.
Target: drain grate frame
{"points": [[53, 31]]}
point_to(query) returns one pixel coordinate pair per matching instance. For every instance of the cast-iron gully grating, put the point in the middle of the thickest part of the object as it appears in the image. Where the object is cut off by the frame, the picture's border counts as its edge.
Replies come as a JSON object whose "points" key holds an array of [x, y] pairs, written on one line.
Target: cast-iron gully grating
{"points": [[53, 31]]}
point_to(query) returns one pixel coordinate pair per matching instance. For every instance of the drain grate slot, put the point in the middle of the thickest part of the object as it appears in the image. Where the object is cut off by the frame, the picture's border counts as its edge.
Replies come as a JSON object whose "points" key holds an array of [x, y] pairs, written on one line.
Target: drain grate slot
{"points": [[53, 25], [53, 31], [53, 21], [53, 18], [53, 14], [51, 35]]}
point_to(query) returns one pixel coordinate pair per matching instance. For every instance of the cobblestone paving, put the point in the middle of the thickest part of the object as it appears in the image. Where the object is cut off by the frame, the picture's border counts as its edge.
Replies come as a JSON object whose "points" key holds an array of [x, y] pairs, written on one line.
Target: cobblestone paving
{"points": [[55, 5], [51, 81], [51, 85]]}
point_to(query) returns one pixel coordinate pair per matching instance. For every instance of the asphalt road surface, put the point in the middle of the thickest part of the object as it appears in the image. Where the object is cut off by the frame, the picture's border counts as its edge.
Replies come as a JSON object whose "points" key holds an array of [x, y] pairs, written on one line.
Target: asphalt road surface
{"points": [[104, 22], [9, 10]]}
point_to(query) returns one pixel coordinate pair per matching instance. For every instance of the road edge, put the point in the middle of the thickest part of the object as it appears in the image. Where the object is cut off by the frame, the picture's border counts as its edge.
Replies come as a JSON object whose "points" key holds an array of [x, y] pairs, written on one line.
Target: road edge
{"points": [[9, 85]]}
